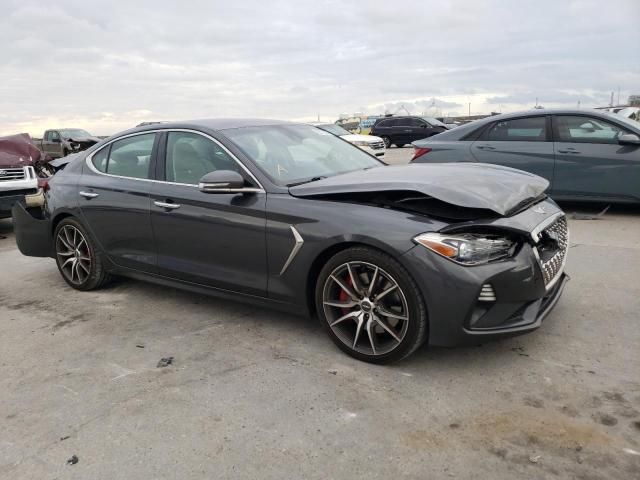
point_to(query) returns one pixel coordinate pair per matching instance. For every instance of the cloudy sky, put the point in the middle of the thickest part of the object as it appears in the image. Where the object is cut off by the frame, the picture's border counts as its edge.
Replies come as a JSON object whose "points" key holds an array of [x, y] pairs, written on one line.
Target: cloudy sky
{"points": [[107, 66]]}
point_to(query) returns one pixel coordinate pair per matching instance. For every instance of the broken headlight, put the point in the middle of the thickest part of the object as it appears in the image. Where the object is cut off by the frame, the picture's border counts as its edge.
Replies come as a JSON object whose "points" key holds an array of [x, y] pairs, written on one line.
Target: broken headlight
{"points": [[468, 248]]}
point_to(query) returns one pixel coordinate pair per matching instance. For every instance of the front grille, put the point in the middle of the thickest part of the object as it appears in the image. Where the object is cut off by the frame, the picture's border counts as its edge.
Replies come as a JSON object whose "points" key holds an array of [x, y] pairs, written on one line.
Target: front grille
{"points": [[552, 246], [377, 145], [12, 174]]}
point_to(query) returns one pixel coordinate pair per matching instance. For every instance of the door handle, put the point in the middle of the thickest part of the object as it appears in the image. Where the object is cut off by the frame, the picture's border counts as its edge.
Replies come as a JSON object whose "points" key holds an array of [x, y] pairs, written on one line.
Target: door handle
{"points": [[486, 147], [568, 150], [89, 195], [168, 206]]}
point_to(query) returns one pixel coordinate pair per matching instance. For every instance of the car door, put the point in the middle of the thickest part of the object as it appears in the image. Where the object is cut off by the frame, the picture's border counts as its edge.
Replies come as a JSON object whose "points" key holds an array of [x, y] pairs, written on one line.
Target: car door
{"points": [[420, 129], [590, 163], [52, 143], [213, 239], [113, 195], [524, 143]]}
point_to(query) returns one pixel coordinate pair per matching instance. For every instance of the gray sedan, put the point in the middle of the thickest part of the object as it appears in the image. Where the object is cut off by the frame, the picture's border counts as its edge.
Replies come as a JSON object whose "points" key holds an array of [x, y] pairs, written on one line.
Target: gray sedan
{"points": [[586, 155]]}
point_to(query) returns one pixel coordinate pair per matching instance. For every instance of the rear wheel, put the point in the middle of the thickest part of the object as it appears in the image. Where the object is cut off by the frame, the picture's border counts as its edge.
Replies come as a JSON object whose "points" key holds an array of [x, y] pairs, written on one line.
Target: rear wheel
{"points": [[399, 145], [370, 306], [77, 257]]}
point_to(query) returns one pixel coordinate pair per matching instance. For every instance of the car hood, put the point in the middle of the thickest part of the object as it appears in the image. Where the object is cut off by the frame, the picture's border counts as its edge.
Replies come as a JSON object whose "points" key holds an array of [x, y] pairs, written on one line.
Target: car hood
{"points": [[83, 139], [18, 151], [469, 185], [361, 138]]}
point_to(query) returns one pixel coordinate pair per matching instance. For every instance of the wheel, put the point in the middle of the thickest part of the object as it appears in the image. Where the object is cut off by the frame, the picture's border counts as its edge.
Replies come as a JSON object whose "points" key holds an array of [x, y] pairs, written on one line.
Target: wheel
{"points": [[77, 257], [399, 145], [370, 306], [387, 142]]}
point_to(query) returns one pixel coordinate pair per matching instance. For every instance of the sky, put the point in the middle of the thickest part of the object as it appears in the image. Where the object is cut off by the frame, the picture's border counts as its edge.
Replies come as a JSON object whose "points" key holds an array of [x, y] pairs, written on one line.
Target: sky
{"points": [[107, 66]]}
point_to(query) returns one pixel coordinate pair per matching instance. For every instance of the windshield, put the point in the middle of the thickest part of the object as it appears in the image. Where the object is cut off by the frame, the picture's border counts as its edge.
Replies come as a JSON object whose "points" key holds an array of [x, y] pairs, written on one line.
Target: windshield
{"points": [[335, 129], [290, 154], [74, 132], [434, 122], [624, 120]]}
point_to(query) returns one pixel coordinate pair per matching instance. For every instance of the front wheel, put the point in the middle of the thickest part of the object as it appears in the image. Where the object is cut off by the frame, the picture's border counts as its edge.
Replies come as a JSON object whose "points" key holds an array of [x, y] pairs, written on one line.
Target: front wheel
{"points": [[387, 142], [77, 257], [399, 145], [370, 306]]}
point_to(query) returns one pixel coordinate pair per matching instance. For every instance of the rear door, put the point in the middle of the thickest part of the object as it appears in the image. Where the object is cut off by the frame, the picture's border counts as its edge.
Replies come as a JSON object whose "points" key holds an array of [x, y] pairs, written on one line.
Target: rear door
{"points": [[524, 143], [113, 194], [213, 239], [590, 163]]}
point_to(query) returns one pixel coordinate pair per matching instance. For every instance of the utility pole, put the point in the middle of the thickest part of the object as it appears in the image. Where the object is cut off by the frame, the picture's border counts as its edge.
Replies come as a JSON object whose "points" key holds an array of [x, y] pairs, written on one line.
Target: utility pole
{"points": [[618, 102], [469, 109]]}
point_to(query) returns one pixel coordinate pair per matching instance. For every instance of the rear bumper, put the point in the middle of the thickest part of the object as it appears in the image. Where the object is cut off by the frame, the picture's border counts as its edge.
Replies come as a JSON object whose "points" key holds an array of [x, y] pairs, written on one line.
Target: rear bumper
{"points": [[33, 234]]}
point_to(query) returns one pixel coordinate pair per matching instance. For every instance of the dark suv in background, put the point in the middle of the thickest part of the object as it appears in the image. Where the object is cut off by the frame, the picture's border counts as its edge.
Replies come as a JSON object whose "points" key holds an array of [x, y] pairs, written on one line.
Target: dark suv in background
{"points": [[400, 131]]}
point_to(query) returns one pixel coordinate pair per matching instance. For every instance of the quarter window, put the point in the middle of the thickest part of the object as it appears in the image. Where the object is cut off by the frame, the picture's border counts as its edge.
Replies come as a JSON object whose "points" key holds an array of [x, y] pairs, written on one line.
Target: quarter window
{"points": [[131, 157], [532, 129], [99, 159], [579, 129], [191, 156]]}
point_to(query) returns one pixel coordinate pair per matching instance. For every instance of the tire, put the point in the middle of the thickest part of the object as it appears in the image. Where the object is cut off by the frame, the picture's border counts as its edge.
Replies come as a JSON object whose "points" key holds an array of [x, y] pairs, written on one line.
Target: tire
{"points": [[387, 142], [399, 145], [65, 152], [78, 259], [385, 323]]}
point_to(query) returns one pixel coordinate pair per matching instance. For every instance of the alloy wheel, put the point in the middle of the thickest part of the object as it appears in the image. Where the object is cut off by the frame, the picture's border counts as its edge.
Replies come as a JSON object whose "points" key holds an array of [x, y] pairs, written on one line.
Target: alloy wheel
{"points": [[365, 308], [74, 256]]}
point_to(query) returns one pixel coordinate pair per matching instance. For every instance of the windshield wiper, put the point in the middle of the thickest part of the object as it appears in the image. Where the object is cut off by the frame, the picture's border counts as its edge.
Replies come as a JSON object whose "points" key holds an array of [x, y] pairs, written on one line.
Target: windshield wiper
{"points": [[308, 180]]}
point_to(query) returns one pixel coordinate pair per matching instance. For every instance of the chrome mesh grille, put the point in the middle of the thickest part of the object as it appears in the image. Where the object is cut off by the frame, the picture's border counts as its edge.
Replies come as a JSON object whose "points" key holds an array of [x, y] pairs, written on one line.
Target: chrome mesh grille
{"points": [[552, 249], [376, 145], [12, 174]]}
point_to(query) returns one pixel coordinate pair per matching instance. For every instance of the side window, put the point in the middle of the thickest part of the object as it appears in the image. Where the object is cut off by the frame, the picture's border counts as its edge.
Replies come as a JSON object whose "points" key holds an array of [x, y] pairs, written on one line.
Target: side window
{"points": [[532, 129], [99, 159], [53, 135], [131, 157], [579, 129], [385, 123], [415, 122], [191, 156]]}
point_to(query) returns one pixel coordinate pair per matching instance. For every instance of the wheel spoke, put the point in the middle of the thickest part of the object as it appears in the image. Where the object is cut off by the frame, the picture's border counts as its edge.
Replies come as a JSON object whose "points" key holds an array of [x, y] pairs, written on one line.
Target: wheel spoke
{"points": [[355, 281], [388, 329], [372, 283], [66, 254], [67, 261], [349, 315], [86, 269], [386, 292], [371, 335], [386, 313], [358, 329], [346, 304], [348, 291], [66, 235], [64, 242]]}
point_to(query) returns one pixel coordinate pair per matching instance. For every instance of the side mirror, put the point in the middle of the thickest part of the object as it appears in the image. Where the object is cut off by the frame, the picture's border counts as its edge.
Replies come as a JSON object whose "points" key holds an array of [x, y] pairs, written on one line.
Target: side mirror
{"points": [[629, 139], [221, 181]]}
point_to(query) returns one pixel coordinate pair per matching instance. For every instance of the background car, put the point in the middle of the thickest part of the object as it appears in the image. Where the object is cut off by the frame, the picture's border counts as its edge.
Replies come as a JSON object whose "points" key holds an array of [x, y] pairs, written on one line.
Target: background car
{"points": [[368, 143], [63, 141], [289, 216], [401, 131], [586, 155]]}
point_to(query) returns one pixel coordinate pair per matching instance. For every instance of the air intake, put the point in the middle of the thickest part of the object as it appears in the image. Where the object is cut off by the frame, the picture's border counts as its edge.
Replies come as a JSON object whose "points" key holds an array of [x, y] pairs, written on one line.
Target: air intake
{"points": [[487, 294]]}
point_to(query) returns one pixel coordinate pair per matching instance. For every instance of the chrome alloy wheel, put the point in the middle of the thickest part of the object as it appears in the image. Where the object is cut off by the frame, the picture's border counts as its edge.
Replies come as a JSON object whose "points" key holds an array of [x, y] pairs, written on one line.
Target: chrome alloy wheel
{"points": [[365, 308], [74, 256]]}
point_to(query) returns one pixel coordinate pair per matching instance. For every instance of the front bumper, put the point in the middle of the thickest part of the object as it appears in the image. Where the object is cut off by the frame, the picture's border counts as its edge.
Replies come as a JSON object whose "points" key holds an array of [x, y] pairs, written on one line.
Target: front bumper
{"points": [[451, 292], [375, 152]]}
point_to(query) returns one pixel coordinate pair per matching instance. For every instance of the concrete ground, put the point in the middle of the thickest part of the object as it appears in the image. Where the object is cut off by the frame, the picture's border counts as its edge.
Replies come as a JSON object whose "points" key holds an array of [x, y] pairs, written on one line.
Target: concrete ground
{"points": [[255, 394]]}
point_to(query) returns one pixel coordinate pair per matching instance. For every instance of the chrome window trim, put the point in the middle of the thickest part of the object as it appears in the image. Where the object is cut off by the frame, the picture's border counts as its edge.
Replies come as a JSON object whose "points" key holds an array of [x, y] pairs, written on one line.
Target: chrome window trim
{"points": [[92, 167]]}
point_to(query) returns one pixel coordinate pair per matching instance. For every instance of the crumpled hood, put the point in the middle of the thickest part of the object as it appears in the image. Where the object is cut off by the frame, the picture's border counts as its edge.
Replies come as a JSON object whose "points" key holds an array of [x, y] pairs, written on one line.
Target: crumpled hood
{"points": [[84, 139], [18, 151], [471, 185]]}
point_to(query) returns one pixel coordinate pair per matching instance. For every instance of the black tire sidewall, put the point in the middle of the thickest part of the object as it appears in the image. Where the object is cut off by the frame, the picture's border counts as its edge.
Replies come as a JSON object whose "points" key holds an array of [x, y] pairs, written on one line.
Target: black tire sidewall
{"points": [[417, 329], [387, 141]]}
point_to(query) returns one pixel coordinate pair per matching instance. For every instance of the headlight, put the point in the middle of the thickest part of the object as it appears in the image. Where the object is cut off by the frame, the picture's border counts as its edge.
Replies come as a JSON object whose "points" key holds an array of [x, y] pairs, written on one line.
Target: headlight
{"points": [[468, 248], [361, 143]]}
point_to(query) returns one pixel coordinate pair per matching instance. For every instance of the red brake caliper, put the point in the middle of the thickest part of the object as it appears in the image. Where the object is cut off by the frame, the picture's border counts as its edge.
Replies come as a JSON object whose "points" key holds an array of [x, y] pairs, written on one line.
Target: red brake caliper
{"points": [[344, 296]]}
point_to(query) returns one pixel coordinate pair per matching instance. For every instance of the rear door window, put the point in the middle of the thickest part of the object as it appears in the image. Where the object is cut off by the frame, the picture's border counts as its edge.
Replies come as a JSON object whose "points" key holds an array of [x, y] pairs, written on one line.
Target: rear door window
{"points": [[99, 159], [131, 157], [531, 129], [580, 129]]}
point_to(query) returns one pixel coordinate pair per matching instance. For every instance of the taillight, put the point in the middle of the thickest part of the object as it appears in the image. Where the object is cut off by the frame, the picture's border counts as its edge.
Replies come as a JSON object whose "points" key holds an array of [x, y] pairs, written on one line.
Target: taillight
{"points": [[418, 152]]}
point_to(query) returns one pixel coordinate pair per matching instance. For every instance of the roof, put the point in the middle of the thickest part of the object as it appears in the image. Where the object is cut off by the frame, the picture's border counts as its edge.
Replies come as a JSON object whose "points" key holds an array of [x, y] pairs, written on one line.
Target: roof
{"points": [[215, 124]]}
